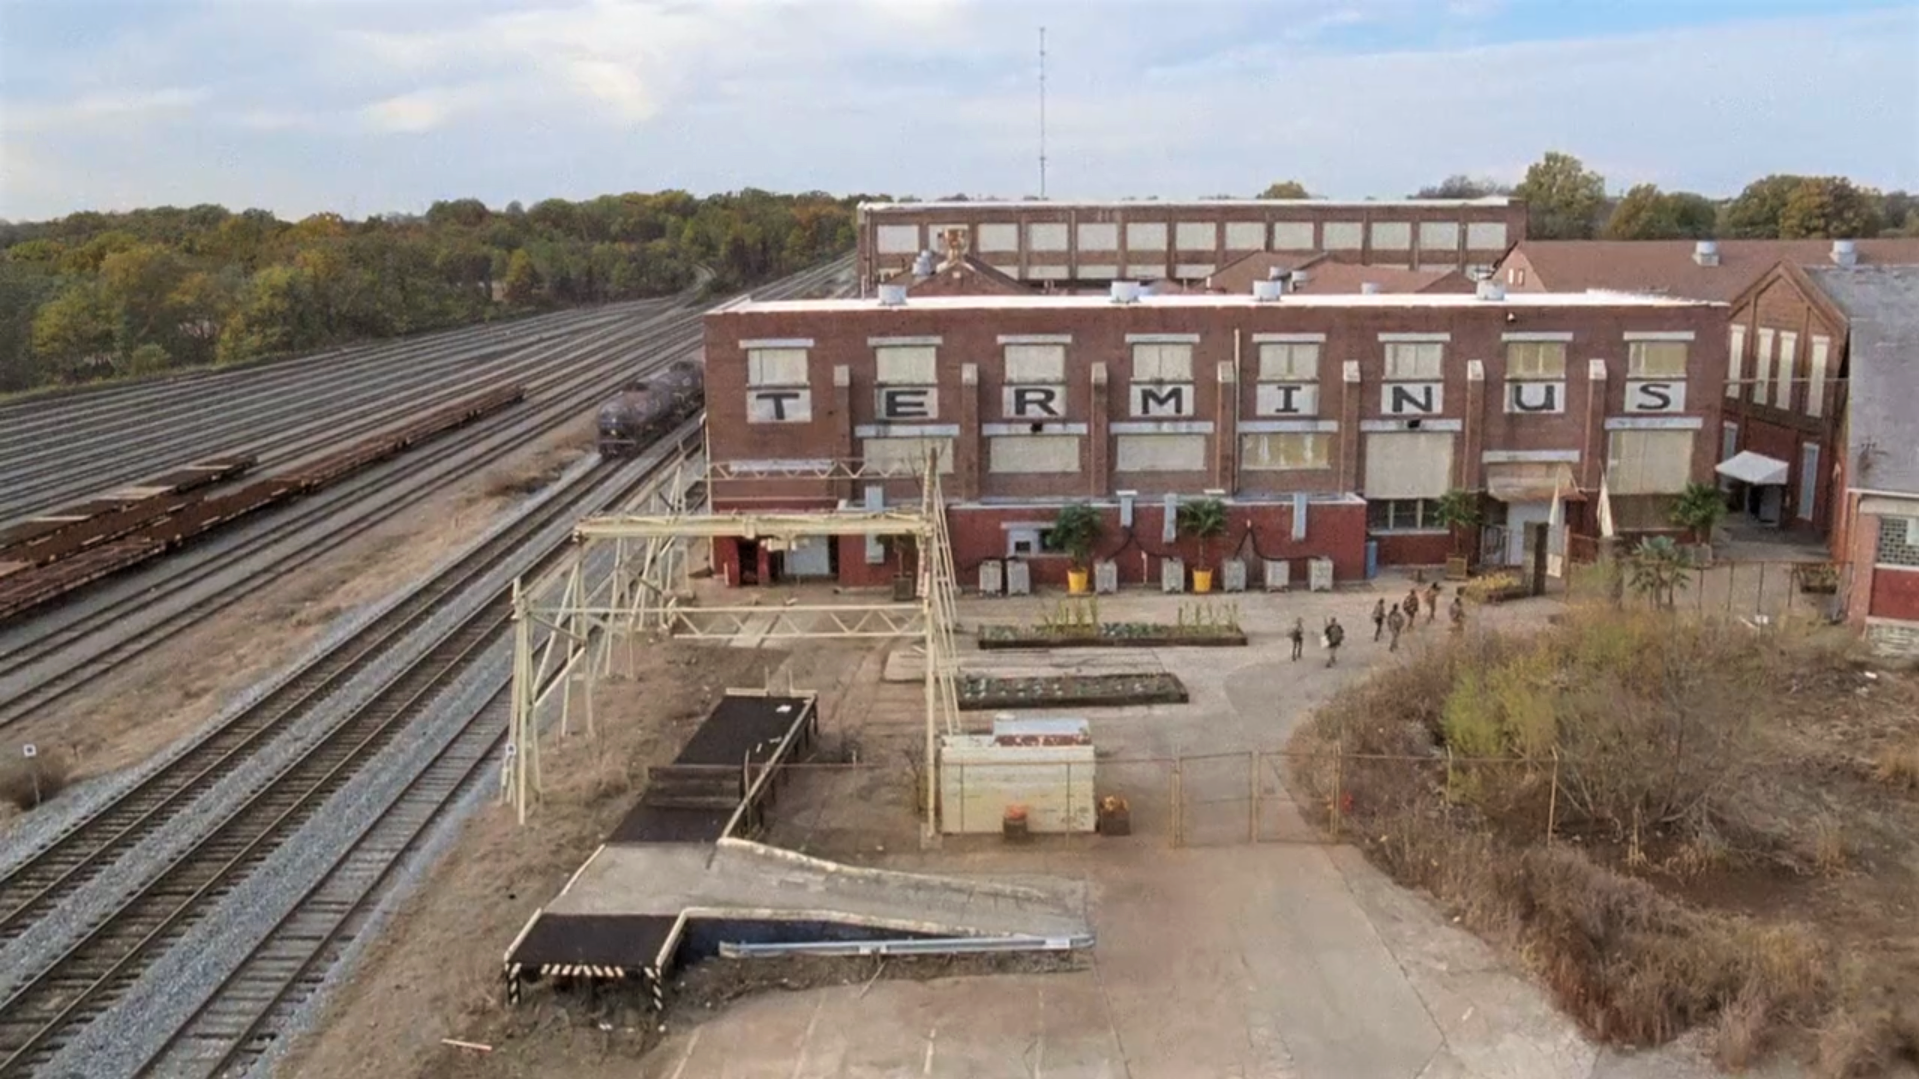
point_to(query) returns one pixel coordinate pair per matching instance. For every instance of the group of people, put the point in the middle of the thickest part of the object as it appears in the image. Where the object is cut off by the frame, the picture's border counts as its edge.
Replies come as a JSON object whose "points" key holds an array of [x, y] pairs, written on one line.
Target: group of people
{"points": [[1392, 619]]}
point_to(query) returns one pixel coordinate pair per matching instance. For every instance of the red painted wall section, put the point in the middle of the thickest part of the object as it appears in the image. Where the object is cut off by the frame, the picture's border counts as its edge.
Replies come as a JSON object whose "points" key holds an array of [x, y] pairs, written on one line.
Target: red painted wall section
{"points": [[1415, 548], [1895, 594]]}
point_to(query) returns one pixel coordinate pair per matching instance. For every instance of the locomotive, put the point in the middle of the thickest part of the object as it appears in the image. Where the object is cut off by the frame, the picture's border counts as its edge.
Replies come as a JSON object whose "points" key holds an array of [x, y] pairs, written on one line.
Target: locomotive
{"points": [[648, 408]]}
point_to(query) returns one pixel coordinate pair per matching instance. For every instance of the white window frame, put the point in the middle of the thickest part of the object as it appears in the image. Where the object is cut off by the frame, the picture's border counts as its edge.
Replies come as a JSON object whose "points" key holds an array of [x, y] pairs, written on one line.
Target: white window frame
{"points": [[894, 365], [1788, 367], [1162, 361], [1524, 360], [1317, 455], [1028, 363], [1735, 360], [1289, 361], [1819, 355], [1639, 352], [1762, 367], [767, 367], [1415, 361]]}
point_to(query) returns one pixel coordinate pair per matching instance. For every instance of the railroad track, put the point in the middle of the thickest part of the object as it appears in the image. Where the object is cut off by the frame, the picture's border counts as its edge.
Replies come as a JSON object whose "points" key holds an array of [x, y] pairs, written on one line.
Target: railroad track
{"points": [[111, 954]]}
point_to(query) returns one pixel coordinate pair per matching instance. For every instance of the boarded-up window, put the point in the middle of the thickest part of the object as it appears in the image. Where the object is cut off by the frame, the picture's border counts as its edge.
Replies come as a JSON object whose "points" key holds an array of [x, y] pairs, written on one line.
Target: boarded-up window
{"points": [[906, 365], [1341, 235], [1245, 235], [898, 239], [1414, 359], [907, 454], [1032, 453], [776, 367], [1162, 362], [1788, 368], [1289, 450], [1393, 235], [1035, 364], [1099, 237], [1536, 359], [1408, 464], [1146, 236], [1816, 378], [1736, 359], [1656, 359], [1293, 236], [1196, 235], [1288, 362], [1160, 453], [1486, 236], [1648, 462]]}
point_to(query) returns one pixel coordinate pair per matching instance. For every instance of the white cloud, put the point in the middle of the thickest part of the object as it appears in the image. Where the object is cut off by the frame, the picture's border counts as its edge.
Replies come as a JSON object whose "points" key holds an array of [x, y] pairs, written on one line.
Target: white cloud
{"points": [[98, 108], [420, 110]]}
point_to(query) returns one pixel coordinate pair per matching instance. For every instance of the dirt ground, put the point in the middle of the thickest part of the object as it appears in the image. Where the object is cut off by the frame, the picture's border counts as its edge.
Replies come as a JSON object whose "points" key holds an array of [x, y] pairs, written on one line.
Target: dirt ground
{"points": [[174, 688], [435, 972]]}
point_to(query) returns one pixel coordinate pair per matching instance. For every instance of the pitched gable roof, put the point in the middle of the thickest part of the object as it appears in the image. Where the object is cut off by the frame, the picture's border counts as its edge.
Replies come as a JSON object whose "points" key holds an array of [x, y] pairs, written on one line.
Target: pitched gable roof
{"points": [[1668, 267], [1882, 307]]}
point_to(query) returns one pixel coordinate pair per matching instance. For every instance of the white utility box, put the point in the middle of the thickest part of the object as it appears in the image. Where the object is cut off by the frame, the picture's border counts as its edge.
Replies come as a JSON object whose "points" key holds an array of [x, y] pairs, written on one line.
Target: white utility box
{"points": [[1279, 575], [992, 577], [1232, 574], [1106, 577], [1319, 574], [1172, 575], [1019, 578]]}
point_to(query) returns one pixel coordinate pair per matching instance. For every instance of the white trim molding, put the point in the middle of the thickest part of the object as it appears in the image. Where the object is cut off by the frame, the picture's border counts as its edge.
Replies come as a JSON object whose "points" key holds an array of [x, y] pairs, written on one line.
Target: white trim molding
{"points": [[1654, 423], [1538, 335], [1520, 457], [1425, 424], [1658, 335], [1289, 339], [1036, 339], [1001, 430], [1287, 427], [906, 430], [1414, 338], [1161, 427], [1162, 339], [884, 342], [777, 342]]}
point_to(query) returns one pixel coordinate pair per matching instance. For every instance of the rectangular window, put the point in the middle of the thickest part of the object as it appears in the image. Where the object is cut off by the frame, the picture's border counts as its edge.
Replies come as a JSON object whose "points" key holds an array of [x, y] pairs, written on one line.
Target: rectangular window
{"points": [[1414, 360], [1408, 464], [1160, 453], [1163, 363], [1283, 362], [1735, 359], [1898, 542], [1648, 462], [1196, 235], [1788, 369], [1486, 235], [1402, 515], [1440, 238], [1146, 236], [1762, 368], [1286, 451], [1656, 359], [897, 239], [1392, 235], [1028, 364], [906, 365], [1536, 359], [1341, 235], [1098, 237], [1808, 479], [900, 455], [1728, 441], [999, 236], [1245, 235], [1816, 377], [776, 367], [1032, 453], [1293, 236]]}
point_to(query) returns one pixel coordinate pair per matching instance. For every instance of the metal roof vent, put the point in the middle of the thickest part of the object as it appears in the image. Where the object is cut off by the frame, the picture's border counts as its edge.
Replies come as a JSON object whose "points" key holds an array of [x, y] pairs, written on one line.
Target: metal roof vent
{"points": [[1268, 290], [1845, 253], [1299, 279], [1274, 273], [1125, 292], [1369, 288], [923, 264], [1489, 289], [1706, 253], [892, 295]]}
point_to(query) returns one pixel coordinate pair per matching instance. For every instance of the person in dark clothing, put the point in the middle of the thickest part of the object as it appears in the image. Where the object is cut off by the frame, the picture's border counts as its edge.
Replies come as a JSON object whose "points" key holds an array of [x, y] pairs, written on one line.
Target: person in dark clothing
{"points": [[1458, 612], [1411, 607], [1298, 635], [1335, 634], [1432, 601], [1395, 622], [1379, 618]]}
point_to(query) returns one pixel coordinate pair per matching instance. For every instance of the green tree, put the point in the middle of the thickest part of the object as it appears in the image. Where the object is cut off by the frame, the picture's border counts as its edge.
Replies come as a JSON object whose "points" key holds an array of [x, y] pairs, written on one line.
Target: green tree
{"points": [[1563, 198], [1658, 569], [1754, 214], [1647, 213], [1461, 186], [1285, 189], [1830, 208], [76, 331], [522, 280]]}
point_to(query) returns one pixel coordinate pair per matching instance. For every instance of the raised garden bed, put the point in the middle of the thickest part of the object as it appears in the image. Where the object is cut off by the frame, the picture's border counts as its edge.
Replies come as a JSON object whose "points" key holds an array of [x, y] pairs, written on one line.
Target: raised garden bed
{"points": [[1111, 635], [985, 692]]}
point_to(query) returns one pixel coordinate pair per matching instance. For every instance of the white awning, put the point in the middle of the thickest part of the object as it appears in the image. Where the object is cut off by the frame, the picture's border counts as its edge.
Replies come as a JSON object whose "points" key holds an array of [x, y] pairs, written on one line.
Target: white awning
{"points": [[1754, 468]]}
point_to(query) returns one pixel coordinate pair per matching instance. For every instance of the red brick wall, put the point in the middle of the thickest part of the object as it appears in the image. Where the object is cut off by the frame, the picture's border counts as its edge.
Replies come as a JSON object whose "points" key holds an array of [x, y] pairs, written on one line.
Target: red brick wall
{"points": [[1780, 303], [1414, 548], [1895, 593]]}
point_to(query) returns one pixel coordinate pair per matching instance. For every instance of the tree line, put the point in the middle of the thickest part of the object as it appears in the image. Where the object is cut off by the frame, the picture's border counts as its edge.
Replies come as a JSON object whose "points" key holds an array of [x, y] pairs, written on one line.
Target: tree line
{"points": [[1565, 200], [96, 295]]}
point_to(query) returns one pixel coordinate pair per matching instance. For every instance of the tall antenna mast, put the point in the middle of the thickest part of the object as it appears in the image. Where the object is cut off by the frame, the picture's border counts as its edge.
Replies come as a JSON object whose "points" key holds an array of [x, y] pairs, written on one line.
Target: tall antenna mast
{"points": [[1042, 112]]}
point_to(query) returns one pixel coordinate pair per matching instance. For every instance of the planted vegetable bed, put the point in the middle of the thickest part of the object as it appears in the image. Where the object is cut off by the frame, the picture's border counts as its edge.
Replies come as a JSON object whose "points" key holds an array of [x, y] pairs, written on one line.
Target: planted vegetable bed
{"points": [[1111, 635], [987, 692]]}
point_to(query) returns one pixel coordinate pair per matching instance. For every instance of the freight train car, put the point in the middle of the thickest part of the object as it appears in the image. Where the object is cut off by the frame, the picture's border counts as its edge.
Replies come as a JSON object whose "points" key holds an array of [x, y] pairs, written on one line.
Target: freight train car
{"points": [[649, 408]]}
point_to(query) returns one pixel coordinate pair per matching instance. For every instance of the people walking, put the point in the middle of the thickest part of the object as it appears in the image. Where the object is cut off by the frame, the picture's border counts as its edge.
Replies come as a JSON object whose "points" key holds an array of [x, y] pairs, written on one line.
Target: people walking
{"points": [[1395, 622], [1433, 592], [1411, 607], [1335, 634], [1298, 635], [1458, 612], [1379, 618]]}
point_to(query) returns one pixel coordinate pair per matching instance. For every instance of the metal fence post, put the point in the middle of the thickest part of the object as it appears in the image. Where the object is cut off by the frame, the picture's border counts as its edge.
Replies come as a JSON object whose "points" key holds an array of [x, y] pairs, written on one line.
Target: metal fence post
{"points": [[1339, 767], [1252, 796]]}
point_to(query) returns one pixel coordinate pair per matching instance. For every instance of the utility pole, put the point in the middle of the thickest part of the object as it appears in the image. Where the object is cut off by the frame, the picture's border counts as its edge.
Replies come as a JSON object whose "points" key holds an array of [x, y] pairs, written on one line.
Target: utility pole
{"points": [[1042, 112]]}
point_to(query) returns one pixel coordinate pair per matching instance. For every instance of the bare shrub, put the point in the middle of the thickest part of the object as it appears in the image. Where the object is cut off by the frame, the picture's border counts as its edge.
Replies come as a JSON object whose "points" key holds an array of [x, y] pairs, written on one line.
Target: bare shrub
{"points": [[29, 784], [1898, 766]]}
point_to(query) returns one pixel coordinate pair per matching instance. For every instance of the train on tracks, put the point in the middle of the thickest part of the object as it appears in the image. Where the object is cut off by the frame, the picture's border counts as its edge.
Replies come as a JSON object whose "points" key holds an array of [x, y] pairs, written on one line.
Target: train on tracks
{"points": [[648, 408]]}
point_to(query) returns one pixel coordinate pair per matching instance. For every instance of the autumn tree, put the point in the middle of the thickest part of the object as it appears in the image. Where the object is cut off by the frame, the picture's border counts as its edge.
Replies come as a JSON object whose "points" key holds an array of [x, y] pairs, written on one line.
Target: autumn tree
{"points": [[1647, 213], [1563, 198], [1827, 207], [1285, 189], [1754, 214], [522, 280]]}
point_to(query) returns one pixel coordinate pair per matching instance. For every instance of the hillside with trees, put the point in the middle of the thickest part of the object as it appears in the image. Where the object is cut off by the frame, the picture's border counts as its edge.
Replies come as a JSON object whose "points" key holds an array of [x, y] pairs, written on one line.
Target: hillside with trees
{"points": [[98, 295]]}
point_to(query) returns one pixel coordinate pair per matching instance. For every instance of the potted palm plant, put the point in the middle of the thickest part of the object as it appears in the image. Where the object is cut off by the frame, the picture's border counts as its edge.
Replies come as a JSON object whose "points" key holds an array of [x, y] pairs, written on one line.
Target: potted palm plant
{"points": [[1205, 521], [1457, 511], [1699, 510], [1077, 530]]}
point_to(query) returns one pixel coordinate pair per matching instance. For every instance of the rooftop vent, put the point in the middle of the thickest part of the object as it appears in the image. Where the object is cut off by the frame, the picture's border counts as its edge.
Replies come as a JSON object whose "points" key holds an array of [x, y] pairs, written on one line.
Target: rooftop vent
{"points": [[1489, 289], [1369, 288], [1268, 290], [1299, 279], [1845, 253], [892, 295], [923, 264], [1125, 292], [1274, 273], [1706, 253]]}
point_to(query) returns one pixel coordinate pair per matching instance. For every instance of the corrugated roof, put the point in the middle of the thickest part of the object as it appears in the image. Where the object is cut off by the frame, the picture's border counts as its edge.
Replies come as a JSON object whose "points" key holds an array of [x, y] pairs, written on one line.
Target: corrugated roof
{"points": [[1667, 266], [1882, 308]]}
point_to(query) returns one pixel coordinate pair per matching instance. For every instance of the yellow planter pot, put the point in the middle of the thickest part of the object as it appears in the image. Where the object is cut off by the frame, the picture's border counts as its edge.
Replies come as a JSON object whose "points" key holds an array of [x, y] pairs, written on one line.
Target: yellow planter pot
{"points": [[1202, 580], [1076, 581]]}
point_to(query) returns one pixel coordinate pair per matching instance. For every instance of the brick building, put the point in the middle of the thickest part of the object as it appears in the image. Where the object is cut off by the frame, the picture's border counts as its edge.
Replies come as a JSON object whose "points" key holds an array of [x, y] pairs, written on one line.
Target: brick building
{"points": [[1092, 243], [1323, 420]]}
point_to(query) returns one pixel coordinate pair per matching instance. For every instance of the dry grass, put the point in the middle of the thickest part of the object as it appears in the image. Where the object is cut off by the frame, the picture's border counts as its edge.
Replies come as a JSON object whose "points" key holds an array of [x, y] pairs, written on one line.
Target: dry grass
{"points": [[1683, 765], [1898, 766], [29, 784]]}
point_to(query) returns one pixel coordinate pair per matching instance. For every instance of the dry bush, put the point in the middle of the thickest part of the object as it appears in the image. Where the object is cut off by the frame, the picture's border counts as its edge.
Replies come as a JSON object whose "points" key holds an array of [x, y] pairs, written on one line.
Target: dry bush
{"points": [[28, 784], [1898, 766]]}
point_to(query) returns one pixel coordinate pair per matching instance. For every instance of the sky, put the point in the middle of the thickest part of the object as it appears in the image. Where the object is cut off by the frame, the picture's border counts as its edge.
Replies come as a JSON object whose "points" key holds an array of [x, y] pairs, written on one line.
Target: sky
{"points": [[376, 106]]}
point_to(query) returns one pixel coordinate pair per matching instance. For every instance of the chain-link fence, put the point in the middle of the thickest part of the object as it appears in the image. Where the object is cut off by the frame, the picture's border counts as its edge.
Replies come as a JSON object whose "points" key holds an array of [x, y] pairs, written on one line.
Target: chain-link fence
{"points": [[1750, 589]]}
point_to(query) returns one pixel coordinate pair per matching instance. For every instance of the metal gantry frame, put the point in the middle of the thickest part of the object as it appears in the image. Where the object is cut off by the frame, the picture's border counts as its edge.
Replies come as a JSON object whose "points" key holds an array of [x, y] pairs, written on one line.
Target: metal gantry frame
{"points": [[629, 576]]}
